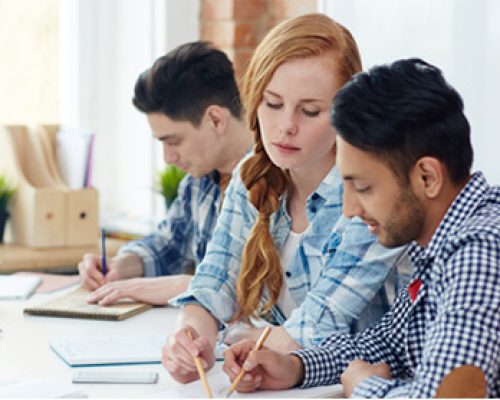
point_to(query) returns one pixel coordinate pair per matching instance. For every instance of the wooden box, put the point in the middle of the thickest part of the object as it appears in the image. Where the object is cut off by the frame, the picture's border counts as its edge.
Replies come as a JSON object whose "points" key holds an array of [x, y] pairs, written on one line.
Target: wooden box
{"points": [[45, 212]]}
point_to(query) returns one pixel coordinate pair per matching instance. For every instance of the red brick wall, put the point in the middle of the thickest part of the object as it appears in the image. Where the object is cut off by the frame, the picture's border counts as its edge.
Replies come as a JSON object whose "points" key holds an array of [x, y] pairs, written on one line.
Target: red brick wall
{"points": [[236, 26]]}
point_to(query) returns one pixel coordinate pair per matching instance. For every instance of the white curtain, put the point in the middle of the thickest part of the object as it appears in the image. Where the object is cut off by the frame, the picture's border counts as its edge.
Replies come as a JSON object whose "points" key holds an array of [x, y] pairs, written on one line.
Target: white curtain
{"points": [[105, 45], [462, 37]]}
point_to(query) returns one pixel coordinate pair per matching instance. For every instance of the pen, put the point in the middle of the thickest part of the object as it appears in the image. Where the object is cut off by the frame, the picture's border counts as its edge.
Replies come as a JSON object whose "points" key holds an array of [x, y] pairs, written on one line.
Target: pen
{"points": [[201, 372], [257, 347], [103, 244]]}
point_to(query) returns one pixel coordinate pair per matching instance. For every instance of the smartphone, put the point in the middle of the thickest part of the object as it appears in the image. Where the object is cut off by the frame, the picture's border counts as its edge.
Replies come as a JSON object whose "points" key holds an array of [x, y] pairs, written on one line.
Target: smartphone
{"points": [[106, 376]]}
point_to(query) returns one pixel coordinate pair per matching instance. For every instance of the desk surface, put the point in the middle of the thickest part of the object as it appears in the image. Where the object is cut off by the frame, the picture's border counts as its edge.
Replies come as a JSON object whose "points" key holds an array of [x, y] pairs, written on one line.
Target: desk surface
{"points": [[18, 258], [25, 352]]}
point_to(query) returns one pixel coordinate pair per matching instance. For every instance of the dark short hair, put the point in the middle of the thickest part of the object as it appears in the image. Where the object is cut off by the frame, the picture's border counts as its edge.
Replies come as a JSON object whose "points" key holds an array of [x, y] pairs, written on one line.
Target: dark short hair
{"points": [[187, 80], [402, 112]]}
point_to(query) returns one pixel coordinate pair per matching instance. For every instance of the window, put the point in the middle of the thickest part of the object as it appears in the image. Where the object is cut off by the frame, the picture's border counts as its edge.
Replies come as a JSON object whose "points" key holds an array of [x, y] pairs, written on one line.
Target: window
{"points": [[105, 45], [460, 36]]}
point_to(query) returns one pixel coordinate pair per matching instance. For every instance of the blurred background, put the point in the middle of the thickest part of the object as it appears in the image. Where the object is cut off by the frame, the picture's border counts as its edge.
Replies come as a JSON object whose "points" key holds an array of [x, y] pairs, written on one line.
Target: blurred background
{"points": [[75, 62]]}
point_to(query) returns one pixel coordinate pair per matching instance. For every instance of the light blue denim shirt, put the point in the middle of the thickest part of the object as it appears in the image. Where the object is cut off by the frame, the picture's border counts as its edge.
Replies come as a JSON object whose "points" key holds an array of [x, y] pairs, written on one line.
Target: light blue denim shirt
{"points": [[337, 274]]}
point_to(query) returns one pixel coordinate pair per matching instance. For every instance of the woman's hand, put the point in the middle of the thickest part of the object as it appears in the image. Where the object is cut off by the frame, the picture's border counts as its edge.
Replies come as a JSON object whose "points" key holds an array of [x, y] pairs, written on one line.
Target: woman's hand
{"points": [[179, 352]]}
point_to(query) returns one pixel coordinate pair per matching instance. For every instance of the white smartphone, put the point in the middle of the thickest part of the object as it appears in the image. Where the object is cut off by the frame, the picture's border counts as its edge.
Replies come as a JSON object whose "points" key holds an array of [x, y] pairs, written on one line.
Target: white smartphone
{"points": [[106, 376]]}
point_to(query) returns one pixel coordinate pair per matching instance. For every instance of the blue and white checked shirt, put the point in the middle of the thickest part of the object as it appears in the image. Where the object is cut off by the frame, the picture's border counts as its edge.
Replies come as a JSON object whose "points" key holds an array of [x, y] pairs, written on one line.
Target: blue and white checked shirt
{"points": [[186, 230], [454, 319], [335, 276]]}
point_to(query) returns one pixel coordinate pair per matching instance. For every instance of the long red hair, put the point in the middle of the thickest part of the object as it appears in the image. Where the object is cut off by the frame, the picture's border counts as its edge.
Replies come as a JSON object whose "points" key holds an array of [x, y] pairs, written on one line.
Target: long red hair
{"points": [[304, 36]]}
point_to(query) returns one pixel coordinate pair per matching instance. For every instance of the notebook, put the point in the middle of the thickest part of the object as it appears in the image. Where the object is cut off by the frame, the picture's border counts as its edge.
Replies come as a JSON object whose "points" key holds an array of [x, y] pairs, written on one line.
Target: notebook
{"points": [[85, 351], [18, 287], [74, 305]]}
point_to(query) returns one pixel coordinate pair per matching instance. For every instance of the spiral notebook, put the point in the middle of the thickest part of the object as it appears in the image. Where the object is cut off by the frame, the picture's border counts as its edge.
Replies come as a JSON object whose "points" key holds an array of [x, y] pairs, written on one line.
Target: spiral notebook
{"points": [[74, 305]]}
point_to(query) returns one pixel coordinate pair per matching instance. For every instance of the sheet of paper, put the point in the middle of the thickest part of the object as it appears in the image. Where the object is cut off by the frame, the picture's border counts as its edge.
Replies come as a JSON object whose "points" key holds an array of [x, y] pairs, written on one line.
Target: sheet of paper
{"points": [[219, 384], [18, 287], [38, 388], [72, 154], [52, 282]]}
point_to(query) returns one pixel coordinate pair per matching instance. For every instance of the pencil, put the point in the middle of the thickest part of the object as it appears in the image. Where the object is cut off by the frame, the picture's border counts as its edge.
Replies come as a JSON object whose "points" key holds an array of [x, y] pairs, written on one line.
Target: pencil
{"points": [[201, 372], [258, 346]]}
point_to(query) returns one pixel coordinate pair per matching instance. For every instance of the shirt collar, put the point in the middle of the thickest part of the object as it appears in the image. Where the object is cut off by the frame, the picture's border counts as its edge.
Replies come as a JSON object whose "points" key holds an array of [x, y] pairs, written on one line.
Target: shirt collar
{"points": [[330, 188], [459, 211]]}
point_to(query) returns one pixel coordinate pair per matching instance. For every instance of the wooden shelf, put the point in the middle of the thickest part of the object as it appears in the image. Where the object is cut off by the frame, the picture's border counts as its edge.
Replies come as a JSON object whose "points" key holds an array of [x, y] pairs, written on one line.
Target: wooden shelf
{"points": [[15, 258]]}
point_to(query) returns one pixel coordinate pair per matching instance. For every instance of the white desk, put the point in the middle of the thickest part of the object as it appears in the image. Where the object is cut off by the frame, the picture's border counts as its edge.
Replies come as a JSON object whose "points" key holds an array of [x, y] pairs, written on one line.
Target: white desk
{"points": [[25, 353]]}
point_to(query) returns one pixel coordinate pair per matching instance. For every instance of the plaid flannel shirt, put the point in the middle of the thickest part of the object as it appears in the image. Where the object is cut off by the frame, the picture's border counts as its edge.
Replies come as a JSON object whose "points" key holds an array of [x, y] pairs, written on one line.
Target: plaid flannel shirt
{"points": [[184, 233], [337, 277], [449, 316]]}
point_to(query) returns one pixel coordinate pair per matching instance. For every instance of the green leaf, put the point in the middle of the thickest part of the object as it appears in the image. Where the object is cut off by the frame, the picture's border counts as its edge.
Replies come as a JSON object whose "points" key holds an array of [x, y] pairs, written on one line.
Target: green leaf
{"points": [[6, 192], [168, 181]]}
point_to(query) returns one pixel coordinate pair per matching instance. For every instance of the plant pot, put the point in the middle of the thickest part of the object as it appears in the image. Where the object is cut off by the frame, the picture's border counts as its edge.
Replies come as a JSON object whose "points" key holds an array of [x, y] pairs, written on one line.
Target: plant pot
{"points": [[4, 216]]}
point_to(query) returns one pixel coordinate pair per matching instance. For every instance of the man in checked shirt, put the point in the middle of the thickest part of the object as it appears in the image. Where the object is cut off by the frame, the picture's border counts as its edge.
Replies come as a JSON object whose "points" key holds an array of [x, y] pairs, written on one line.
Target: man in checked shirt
{"points": [[405, 155]]}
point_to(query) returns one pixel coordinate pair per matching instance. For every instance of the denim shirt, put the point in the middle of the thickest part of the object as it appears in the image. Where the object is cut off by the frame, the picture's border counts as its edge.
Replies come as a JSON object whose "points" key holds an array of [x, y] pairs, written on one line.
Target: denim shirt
{"points": [[184, 233], [337, 272]]}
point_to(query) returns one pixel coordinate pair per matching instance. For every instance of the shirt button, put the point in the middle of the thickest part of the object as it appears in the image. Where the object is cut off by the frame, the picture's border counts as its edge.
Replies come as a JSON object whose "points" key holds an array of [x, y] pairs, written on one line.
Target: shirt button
{"points": [[313, 209], [288, 274]]}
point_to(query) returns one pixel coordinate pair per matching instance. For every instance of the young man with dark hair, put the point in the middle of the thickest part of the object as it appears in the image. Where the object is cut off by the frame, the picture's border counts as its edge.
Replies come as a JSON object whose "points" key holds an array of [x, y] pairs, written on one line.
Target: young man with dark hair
{"points": [[405, 156], [192, 103]]}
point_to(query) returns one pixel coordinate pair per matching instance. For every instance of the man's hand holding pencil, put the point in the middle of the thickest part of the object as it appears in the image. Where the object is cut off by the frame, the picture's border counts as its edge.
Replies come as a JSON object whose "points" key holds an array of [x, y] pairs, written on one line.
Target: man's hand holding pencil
{"points": [[262, 368]]}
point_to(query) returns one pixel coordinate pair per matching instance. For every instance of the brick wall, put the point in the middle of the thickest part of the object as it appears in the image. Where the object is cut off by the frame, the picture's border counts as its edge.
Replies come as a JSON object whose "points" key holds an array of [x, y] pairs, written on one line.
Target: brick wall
{"points": [[236, 26]]}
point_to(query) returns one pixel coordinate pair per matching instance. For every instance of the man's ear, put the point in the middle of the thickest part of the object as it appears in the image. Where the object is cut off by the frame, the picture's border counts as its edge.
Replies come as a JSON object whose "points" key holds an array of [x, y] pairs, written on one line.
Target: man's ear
{"points": [[427, 176], [218, 118]]}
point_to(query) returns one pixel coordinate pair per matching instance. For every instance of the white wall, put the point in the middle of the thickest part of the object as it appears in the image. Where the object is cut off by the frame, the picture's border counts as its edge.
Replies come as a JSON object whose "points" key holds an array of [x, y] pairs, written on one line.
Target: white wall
{"points": [[462, 37], [105, 45]]}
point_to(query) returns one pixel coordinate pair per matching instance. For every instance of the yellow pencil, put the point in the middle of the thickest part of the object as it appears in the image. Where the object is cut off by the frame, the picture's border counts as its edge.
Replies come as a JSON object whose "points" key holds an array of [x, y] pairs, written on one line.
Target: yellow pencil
{"points": [[257, 347], [201, 372]]}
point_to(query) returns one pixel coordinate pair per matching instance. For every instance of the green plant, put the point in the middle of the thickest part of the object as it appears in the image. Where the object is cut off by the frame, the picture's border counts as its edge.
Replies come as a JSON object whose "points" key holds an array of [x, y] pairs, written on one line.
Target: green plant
{"points": [[168, 181], [6, 193]]}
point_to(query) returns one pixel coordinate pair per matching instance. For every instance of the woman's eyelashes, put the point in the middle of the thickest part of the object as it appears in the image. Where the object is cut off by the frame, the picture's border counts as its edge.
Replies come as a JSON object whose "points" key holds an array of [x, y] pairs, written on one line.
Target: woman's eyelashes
{"points": [[310, 113], [305, 111], [273, 105]]}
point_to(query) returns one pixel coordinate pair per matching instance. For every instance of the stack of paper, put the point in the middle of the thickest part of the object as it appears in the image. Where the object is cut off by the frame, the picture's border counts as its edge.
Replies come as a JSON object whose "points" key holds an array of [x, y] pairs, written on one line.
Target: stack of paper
{"points": [[74, 149], [52, 282], [37, 388], [18, 287]]}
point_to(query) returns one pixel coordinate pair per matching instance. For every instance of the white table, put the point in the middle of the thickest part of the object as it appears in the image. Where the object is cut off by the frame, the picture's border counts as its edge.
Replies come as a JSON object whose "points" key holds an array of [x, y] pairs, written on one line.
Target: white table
{"points": [[25, 354]]}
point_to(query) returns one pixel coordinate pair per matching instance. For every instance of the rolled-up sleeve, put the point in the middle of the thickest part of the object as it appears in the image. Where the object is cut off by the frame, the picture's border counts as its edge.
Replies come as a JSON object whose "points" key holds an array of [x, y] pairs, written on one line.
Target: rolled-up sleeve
{"points": [[214, 284]]}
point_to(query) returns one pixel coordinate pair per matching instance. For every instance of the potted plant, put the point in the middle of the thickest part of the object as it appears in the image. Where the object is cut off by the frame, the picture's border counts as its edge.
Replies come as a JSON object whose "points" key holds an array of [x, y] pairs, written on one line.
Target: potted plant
{"points": [[168, 181], [6, 193]]}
